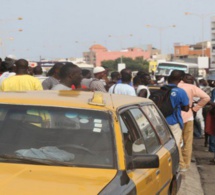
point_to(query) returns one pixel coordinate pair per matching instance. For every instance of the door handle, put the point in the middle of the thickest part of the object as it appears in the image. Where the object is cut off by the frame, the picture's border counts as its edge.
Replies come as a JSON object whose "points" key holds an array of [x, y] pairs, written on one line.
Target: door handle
{"points": [[158, 172]]}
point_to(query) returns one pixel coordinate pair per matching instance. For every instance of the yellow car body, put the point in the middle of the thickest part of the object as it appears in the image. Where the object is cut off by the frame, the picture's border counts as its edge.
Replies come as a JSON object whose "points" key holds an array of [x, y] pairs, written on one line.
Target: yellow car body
{"points": [[137, 153]]}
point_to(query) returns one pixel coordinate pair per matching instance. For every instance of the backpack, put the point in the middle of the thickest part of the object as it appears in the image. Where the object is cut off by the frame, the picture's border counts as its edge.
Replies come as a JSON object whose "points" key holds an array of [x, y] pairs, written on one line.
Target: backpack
{"points": [[161, 98]]}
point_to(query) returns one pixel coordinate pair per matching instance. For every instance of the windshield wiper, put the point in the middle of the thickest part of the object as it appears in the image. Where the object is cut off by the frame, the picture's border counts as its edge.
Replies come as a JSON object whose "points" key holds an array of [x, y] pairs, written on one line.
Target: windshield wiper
{"points": [[9, 157]]}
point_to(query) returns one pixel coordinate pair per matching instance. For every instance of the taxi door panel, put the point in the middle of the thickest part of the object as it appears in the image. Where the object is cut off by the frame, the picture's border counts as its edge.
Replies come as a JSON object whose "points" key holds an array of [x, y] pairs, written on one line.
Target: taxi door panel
{"points": [[146, 181], [165, 169], [162, 131]]}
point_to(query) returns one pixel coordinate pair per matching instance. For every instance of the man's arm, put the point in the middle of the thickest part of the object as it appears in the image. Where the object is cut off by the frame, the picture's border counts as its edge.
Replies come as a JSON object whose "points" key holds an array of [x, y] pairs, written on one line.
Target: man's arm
{"points": [[204, 98], [184, 101], [185, 108]]}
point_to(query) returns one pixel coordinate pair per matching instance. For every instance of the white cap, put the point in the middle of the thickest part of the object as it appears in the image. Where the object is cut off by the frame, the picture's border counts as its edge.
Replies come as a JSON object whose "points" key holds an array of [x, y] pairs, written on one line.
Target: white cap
{"points": [[11, 57], [98, 69]]}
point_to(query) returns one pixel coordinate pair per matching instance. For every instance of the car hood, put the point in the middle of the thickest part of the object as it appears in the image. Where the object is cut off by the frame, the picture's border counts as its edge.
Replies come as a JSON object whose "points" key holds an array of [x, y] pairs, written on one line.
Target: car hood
{"points": [[22, 179]]}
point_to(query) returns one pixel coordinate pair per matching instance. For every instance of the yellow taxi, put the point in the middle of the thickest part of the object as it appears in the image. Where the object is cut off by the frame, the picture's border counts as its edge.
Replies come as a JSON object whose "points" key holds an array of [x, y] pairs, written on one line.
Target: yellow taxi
{"points": [[73, 142]]}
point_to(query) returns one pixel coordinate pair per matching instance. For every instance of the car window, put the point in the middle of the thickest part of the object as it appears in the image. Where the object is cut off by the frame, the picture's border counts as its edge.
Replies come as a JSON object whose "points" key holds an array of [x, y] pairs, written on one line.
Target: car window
{"points": [[77, 137], [149, 136], [129, 131], [158, 123]]}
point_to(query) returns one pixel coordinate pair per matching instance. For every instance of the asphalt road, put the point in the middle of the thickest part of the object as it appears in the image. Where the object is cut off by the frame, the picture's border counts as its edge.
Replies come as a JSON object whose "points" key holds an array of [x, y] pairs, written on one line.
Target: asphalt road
{"points": [[205, 168]]}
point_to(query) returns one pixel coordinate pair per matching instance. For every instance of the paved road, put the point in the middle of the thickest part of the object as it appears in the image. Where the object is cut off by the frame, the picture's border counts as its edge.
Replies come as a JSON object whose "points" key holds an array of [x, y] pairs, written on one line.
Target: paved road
{"points": [[205, 168], [200, 178]]}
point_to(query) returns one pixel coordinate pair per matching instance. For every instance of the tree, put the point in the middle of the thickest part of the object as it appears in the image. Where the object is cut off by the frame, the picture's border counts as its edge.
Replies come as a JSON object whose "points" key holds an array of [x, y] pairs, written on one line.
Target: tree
{"points": [[135, 65], [110, 64]]}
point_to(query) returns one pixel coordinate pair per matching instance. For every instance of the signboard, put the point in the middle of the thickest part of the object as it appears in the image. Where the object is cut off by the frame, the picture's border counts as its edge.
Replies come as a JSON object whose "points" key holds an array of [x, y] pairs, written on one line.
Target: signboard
{"points": [[203, 62], [121, 66]]}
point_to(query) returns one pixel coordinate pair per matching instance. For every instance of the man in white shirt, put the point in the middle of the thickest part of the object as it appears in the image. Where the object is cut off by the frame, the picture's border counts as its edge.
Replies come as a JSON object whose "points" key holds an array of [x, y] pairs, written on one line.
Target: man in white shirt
{"points": [[123, 88]]}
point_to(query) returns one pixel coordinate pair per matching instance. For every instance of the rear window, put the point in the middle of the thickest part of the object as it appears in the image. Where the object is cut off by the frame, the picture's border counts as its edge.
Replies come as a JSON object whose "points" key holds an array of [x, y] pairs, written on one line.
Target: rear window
{"points": [[56, 136]]}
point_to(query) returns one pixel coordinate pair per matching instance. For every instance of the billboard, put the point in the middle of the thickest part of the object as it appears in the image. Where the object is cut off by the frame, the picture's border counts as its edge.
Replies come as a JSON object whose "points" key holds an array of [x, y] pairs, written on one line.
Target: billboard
{"points": [[121, 66], [203, 62]]}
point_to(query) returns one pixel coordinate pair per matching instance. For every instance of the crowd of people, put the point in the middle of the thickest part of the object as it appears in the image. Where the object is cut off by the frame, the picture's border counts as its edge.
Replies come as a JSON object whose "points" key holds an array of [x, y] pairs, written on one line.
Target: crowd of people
{"points": [[194, 104]]}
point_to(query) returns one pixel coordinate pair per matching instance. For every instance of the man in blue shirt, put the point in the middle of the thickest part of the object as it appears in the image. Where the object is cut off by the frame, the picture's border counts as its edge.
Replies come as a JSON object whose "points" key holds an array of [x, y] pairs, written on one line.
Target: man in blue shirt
{"points": [[180, 101]]}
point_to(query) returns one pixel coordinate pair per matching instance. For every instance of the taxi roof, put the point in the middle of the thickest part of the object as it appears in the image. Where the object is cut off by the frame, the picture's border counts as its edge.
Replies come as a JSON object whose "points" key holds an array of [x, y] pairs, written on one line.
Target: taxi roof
{"points": [[76, 99]]}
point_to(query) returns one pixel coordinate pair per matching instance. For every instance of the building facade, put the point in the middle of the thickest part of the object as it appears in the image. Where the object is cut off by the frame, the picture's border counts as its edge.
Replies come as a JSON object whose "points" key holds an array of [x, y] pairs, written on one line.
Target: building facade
{"points": [[99, 53], [198, 49], [213, 42]]}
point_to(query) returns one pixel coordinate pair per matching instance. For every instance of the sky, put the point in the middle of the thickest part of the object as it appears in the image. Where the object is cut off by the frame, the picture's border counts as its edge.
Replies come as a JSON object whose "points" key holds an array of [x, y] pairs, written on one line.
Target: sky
{"points": [[66, 28]]}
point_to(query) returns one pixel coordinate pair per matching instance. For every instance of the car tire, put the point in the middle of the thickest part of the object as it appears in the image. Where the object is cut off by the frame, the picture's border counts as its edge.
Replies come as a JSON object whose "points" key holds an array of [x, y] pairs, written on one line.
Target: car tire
{"points": [[173, 188]]}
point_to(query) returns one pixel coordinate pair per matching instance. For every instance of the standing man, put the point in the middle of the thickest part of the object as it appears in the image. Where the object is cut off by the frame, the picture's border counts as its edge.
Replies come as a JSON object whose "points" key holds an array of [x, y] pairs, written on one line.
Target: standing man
{"points": [[38, 73], [188, 117], [53, 76], [69, 75], [180, 101], [22, 81], [142, 89], [123, 87], [115, 76], [97, 84], [86, 78]]}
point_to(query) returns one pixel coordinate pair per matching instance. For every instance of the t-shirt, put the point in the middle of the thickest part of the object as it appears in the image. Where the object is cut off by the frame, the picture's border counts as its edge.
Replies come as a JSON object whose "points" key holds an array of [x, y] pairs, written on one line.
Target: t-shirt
{"points": [[193, 91], [6, 75], [97, 85], [61, 87], [49, 83], [86, 82], [21, 83], [123, 89], [40, 77], [178, 98]]}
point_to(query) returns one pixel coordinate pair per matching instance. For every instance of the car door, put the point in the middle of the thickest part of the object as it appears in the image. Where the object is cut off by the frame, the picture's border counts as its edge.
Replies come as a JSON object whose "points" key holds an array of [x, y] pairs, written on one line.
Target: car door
{"points": [[167, 142], [146, 180]]}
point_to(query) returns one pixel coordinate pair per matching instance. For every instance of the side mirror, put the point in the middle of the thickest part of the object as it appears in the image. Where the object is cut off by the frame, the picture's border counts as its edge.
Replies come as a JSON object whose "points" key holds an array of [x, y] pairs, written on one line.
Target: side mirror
{"points": [[143, 161], [140, 159]]}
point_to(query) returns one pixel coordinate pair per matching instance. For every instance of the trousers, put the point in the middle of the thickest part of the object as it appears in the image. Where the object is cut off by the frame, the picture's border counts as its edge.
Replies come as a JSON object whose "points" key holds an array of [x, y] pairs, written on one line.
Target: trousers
{"points": [[187, 137], [177, 133]]}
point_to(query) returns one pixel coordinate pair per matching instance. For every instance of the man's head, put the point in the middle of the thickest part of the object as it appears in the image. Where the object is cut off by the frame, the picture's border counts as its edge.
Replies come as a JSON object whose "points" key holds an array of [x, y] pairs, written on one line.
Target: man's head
{"points": [[203, 82], [176, 76], [37, 70], [126, 75], [188, 78], [86, 73], [126, 70], [21, 66], [141, 72], [115, 76], [10, 59], [99, 72], [145, 79], [70, 74], [54, 71]]}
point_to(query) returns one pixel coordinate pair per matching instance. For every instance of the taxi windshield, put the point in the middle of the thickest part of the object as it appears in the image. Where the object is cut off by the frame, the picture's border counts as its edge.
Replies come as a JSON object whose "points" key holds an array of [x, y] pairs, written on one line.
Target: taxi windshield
{"points": [[56, 136]]}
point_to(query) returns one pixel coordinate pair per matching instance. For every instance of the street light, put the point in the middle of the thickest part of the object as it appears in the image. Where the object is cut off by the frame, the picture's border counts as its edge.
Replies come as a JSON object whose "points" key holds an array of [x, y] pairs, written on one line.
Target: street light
{"points": [[120, 38], [160, 28], [11, 19], [2, 40], [202, 17]]}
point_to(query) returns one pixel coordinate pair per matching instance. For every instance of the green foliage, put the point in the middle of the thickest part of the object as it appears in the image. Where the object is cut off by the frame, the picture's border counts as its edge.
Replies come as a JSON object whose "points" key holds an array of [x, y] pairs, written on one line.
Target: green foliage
{"points": [[135, 65]]}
